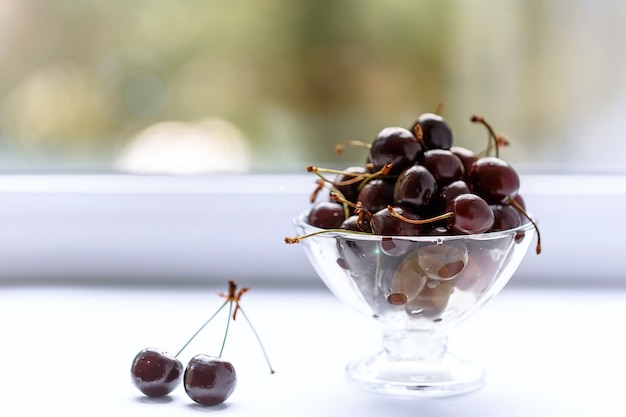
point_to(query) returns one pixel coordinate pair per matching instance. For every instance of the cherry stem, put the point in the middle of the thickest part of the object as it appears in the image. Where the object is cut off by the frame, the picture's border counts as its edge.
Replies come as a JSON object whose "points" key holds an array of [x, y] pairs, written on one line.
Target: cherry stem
{"points": [[258, 340], [525, 214], [340, 146], [419, 221], [340, 198], [356, 177], [230, 310], [492, 134], [320, 185], [419, 134], [201, 327], [297, 239]]}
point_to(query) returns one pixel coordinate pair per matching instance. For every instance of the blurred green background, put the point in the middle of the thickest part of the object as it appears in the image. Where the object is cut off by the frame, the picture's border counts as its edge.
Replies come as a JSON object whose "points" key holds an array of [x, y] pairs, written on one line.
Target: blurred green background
{"points": [[202, 86]]}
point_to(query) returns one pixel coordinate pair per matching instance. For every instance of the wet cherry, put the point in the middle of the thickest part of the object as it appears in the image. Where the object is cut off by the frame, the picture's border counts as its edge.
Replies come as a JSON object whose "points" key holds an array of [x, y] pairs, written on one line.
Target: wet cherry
{"points": [[389, 222], [471, 214], [349, 189], [376, 194], [155, 372], [436, 133], [493, 179], [452, 190], [396, 146], [505, 217], [444, 165], [466, 156], [415, 187], [465, 214], [326, 215], [209, 380]]}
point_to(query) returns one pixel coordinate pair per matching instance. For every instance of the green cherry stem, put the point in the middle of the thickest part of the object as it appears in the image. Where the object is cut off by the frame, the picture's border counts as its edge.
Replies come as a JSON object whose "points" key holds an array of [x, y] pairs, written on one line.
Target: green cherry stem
{"points": [[258, 339], [290, 240], [202, 327], [230, 311]]}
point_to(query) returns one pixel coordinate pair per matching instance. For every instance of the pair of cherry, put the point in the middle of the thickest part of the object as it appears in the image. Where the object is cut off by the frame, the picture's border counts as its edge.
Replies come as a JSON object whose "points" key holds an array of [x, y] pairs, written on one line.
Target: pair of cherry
{"points": [[207, 380]]}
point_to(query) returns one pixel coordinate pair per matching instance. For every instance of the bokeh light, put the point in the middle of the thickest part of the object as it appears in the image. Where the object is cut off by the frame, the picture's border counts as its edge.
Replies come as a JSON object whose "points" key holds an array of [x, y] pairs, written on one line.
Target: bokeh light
{"points": [[81, 80]]}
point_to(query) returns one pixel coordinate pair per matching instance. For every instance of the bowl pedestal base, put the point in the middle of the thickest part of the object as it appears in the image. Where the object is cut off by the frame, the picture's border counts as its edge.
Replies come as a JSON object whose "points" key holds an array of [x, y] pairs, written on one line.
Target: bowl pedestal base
{"points": [[415, 366]]}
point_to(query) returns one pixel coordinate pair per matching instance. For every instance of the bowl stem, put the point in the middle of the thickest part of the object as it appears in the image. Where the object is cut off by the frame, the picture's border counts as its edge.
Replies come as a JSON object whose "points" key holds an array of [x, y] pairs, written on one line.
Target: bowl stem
{"points": [[411, 364]]}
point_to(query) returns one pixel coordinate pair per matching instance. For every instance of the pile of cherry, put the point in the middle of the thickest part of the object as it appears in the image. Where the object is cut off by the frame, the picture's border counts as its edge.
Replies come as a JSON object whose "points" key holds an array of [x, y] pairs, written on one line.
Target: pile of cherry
{"points": [[416, 183]]}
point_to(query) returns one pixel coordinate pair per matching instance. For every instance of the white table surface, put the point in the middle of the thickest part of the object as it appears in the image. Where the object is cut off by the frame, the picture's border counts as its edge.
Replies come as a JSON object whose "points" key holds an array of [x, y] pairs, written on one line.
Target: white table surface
{"points": [[68, 350]]}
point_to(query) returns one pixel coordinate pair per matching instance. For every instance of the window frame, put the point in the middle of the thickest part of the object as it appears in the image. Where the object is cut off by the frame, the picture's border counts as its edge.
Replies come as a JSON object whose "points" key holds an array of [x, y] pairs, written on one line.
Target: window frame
{"points": [[190, 230]]}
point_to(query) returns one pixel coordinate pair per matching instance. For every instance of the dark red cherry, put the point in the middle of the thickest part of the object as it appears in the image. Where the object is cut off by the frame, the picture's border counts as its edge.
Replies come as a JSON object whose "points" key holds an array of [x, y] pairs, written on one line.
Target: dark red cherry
{"points": [[452, 190], [415, 187], [396, 146], [505, 217], [357, 224], [445, 166], [466, 156], [155, 372], [493, 179], [376, 195], [520, 200], [436, 133], [520, 206], [386, 225], [326, 215], [349, 189], [470, 214], [209, 380], [446, 194]]}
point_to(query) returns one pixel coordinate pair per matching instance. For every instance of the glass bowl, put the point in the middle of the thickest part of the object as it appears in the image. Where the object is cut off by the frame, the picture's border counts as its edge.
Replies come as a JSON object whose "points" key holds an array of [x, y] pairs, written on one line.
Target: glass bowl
{"points": [[417, 289]]}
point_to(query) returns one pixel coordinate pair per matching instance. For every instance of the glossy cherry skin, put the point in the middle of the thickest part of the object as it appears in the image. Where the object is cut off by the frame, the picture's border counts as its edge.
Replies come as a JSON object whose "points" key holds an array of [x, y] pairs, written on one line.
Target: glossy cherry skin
{"points": [[466, 156], [351, 190], [326, 215], [452, 190], [209, 380], [445, 166], [396, 146], [493, 179], [155, 372], [376, 195], [471, 214], [436, 133], [505, 218], [388, 226], [384, 224], [358, 224], [415, 187]]}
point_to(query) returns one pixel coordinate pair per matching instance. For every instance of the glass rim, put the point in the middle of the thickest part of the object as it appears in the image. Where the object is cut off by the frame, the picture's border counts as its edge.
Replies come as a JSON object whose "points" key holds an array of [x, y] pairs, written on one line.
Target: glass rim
{"points": [[300, 220]]}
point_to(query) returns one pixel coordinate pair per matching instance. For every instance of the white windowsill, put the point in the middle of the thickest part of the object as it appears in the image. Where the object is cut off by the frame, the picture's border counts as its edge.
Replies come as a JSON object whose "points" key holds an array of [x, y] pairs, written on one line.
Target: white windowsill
{"points": [[174, 230]]}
